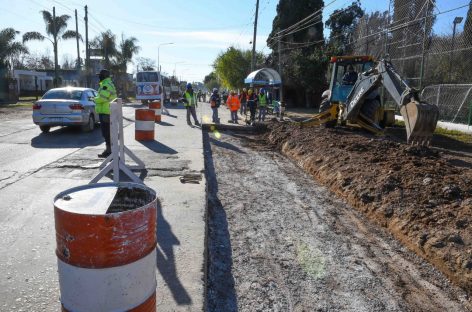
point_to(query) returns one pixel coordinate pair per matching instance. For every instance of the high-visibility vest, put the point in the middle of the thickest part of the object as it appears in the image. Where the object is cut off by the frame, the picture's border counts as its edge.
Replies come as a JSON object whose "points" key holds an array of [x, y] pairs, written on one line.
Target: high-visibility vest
{"points": [[233, 103], [262, 100], [191, 99], [106, 94]]}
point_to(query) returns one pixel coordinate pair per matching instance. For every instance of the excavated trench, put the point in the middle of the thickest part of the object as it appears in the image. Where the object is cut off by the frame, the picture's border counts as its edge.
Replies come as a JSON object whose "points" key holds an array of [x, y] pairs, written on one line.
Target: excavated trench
{"points": [[280, 241]]}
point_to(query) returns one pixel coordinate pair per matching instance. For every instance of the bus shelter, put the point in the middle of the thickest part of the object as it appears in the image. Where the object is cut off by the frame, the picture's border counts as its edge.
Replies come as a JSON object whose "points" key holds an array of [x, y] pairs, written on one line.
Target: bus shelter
{"points": [[265, 77]]}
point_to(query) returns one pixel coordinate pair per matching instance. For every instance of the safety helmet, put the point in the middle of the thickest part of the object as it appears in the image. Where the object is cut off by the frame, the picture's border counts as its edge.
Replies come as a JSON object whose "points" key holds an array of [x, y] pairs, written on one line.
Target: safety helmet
{"points": [[262, 90], [250, 91], [189, 85], [244, 90], [233, 92], [215, 90]]}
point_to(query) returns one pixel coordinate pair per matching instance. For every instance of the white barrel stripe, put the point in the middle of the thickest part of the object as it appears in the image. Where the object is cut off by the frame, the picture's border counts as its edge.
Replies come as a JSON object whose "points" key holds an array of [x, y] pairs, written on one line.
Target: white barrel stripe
{"points": [[158, 111], [112, 289], [144, 125]]}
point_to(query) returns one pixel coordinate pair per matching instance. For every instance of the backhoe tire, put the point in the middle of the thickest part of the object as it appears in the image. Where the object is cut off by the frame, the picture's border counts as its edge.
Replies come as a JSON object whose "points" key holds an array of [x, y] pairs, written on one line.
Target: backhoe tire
{"points": [[370, 108], [324, 106]]}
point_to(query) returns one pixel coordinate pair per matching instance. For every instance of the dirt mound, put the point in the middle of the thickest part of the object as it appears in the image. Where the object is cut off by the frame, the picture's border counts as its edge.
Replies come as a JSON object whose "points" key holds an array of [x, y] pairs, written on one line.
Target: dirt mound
{"points": [[423, 196]]}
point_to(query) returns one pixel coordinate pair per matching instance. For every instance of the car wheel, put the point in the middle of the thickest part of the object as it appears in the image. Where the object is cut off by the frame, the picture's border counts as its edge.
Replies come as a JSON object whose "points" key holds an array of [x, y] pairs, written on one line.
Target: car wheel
{"points": [[90, 125], [45, 129]]}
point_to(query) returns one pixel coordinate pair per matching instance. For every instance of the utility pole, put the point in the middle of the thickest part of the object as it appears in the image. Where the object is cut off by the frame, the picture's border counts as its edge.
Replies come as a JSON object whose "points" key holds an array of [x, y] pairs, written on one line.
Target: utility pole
{"points": [[253, 62], [87, 52], [55, 46], [281, 88], [423, 49], [77, 38]]}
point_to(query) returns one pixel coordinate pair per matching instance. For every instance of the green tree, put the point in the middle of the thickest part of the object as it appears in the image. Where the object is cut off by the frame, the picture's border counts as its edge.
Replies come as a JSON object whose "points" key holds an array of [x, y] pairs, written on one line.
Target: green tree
{"points": [[128, 48], [56, 29], [105, 42], [9, 48], [233, 66], [302, 61], [211, 81], [342, 23]]}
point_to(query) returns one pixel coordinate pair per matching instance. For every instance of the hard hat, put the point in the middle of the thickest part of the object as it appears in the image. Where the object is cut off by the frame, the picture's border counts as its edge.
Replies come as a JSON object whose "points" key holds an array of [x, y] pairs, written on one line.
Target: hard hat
{"points": [[233, 92], [244, 90], [189, 85], [250, 91], [262, 90], [215, 90]]}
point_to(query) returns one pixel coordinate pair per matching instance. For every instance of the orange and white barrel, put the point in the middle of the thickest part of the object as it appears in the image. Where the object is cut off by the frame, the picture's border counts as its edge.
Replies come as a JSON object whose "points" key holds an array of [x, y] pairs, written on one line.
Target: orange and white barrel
{"points": [[144, 125], [106, 247], [156, 106]]}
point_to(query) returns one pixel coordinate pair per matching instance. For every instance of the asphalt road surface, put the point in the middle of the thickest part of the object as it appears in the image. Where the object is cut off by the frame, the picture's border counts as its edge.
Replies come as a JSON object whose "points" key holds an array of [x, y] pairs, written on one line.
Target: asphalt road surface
{"points": [[31, 174]]}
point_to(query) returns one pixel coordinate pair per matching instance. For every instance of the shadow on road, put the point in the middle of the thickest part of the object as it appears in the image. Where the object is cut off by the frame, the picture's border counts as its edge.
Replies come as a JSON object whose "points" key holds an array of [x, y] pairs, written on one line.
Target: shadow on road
{"points": [[226, 145], [67, 137], [221, 294], [165, 124], [158, 147], [166, 240]]}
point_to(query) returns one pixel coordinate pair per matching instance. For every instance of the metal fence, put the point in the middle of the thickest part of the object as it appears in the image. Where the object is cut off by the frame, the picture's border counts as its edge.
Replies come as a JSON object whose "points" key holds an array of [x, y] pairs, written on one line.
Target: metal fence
{"points": [[430, 44]]}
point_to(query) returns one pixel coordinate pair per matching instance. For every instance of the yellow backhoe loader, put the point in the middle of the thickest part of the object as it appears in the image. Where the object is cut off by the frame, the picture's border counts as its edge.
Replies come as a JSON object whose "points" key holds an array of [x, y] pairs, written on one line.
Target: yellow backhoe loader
{"points": [[353, 97]]}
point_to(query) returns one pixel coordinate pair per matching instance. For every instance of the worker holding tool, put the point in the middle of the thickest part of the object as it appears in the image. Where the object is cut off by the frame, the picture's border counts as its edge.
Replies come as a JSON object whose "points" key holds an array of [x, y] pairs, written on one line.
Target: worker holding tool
{"points": [[190, 102], [106, 94], [262, 104], [215, 102], [233, 105]]}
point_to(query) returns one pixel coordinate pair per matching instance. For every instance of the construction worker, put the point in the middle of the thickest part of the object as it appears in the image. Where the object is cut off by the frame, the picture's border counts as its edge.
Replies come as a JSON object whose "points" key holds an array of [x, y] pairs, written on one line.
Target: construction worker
{"points": [[190, 102], [243, 100], [252, 105], [350, 77], [233, 105], [215, 102], [262, 102], [106, 94]]}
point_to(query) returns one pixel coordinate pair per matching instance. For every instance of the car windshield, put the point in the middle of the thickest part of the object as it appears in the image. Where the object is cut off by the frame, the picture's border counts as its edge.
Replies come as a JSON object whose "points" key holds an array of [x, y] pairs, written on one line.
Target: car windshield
{"points": [[63, 95], [147, 77]]}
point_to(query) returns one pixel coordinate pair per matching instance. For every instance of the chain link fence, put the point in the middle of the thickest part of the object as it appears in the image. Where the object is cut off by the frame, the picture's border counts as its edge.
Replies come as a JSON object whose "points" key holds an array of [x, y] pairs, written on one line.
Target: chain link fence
{"points": [[430, 44]]}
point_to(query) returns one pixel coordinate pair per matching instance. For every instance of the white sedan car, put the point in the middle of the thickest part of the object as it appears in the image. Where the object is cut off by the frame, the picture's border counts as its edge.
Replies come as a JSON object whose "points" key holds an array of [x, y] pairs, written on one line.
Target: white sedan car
{"points": [[68, 106]]}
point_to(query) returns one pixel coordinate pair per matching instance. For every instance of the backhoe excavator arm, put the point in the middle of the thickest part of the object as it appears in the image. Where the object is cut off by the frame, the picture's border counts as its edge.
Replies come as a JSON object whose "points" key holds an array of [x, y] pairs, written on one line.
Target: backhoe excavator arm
{"points": [[420, 118]]}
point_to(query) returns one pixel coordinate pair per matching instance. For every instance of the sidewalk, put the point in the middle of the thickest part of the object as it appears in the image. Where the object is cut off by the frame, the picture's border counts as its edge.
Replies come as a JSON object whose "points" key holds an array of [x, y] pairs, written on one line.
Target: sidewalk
{"points": [[177, 150]]}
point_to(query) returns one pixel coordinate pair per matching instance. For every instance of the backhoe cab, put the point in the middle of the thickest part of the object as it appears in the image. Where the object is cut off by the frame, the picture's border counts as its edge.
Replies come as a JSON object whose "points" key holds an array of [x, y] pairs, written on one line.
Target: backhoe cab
{"points": [[353, 97]]}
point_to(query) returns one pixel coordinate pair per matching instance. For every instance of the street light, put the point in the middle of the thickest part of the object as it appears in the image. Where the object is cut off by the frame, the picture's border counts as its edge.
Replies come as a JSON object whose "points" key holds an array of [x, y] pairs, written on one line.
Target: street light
{"points": [[456, 21], [158, 47]]}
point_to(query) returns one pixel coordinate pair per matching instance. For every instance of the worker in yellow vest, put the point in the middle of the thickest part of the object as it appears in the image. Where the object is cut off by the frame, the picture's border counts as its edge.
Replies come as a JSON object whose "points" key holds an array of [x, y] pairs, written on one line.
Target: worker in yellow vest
{"points": [[106, 94], [262, 102], [190, 102]]}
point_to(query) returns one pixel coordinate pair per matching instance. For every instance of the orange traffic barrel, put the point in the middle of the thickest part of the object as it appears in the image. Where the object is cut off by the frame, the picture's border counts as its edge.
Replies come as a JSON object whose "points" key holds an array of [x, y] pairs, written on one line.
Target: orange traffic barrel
{"points": [[156, 106], [106, 247], [144, 125]]}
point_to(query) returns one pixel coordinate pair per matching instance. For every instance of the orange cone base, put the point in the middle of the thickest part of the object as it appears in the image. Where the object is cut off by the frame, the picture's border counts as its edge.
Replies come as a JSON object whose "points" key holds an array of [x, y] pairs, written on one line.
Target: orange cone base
{"points": [[144, 135]]}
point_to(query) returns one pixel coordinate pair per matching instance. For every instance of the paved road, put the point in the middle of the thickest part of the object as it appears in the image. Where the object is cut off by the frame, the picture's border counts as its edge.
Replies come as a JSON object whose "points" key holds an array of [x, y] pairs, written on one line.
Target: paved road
{"points": [[34, 167]]}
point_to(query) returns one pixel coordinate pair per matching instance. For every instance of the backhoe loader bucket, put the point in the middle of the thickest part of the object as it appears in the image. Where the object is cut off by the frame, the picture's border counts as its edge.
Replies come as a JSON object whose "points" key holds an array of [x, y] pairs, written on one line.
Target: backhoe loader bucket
{"points": [[420, 121]]}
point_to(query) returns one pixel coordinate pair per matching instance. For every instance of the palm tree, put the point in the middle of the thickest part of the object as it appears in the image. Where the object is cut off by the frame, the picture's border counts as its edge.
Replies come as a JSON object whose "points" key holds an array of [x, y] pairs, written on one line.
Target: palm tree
{"points": [[9, 47], [55, 29], [127, 50], [106, 43]]}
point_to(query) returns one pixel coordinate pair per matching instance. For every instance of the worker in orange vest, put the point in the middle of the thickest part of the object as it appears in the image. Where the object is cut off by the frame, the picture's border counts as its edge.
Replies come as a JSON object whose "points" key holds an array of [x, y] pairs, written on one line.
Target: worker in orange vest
{"points": [[233, 104]]}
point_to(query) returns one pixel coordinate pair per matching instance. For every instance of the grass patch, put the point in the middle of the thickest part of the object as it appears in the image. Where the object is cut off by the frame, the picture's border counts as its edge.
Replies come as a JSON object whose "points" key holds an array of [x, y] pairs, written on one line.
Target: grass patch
{"points": [[453, 134], [19, 104]]}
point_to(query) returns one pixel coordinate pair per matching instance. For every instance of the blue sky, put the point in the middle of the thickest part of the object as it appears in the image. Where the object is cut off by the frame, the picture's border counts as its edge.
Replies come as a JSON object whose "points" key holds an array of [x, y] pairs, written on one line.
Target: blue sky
{"points": [[199, 29]]}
